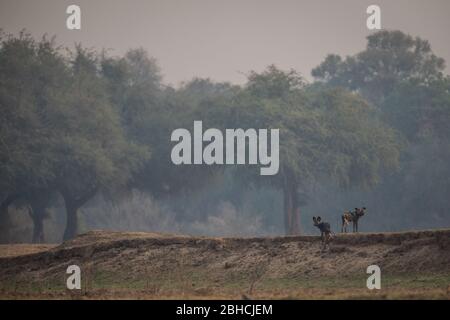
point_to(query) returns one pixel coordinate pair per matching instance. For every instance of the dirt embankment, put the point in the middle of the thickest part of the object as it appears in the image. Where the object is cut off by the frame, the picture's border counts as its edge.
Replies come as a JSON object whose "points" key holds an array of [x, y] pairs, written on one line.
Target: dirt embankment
{"points": [[14, 250], [167, 263]]}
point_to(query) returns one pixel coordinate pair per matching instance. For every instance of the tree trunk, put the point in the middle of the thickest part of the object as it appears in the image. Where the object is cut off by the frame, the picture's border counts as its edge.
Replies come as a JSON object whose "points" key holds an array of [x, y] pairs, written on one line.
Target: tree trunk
{"points": [[287, 210], [5, 219], [72, 221], [38, 228], [295, 221], [39, 201], [291, 209], [6, 203], [73, 202]]}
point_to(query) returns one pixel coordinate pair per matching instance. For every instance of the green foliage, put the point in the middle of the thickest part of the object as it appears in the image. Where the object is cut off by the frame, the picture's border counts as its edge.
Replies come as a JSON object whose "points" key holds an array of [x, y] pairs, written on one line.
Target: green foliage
{"points": [[59, 131], [356, 146], [419, 110], [85, 123], [92, 141], [274, 83], [404, 80], [390, 58], [324, 133], [31, 74]]}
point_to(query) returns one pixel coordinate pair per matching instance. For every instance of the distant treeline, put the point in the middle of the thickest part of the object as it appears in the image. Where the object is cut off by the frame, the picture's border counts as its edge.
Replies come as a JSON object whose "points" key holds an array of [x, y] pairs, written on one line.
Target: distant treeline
{"points": [[79, 123]]}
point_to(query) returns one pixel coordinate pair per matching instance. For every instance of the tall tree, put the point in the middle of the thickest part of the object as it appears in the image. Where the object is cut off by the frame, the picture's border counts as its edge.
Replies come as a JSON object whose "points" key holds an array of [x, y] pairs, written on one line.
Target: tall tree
{"points": [[150, 112], [31, 74], [404, 80], [390, 58], [93, 151], [324, 134]]}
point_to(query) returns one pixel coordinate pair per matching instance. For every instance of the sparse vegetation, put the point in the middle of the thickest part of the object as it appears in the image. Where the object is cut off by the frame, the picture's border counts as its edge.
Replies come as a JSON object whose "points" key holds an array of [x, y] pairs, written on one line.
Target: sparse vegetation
{"points": [[155, 266]]}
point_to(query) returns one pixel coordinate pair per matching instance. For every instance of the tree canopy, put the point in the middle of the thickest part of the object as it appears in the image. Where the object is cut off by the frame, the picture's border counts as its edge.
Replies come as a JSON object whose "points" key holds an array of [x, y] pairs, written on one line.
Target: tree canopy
{"points": [[390, 58], [81, 123]]}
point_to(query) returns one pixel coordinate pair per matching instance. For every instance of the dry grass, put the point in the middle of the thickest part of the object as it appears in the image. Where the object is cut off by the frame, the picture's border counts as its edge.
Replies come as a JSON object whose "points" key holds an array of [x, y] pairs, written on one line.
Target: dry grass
{"points": [[415, 265], [13, 250]]}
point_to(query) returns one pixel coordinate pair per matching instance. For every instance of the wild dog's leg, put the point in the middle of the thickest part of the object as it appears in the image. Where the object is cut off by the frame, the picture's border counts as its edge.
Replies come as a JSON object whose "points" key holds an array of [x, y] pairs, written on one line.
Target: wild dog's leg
{"points": [[343, 222], [322, 238], [327, 240]]}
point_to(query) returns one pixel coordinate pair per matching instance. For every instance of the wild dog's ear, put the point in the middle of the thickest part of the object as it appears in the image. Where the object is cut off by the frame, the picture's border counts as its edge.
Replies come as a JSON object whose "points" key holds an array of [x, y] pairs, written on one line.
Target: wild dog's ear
{"points": [[319, 219], [314, 219]]}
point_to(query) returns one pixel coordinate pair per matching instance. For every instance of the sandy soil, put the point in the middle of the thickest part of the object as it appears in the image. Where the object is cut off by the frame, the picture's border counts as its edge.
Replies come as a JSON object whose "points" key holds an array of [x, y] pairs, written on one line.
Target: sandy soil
{"points": [[150, 265], [12, 250]]}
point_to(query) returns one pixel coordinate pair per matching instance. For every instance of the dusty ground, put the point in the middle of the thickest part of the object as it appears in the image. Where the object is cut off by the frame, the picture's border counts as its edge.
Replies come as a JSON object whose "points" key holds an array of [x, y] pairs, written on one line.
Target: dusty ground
{"points": [[414, 265], [13, 250]]}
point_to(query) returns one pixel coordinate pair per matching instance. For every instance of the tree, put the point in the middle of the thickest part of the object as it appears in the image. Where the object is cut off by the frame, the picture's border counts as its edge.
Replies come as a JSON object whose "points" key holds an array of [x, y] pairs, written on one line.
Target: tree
{"points": [[420, 110], [404, 80], [150, 112], [39, 201], [31, 74], [134, 87], [92, 149], [390, 58], [324, 134]]}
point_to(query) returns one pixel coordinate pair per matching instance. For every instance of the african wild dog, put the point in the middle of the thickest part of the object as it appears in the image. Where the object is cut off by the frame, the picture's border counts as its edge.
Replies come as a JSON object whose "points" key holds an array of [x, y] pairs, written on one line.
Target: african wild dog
{"points": [[325, 231], [352, 216]]}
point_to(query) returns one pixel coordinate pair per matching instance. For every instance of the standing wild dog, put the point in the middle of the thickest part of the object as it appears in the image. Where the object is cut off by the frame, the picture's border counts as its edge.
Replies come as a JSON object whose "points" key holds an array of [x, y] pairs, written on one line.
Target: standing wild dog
{"points": [[352, 216], [325, 231]]}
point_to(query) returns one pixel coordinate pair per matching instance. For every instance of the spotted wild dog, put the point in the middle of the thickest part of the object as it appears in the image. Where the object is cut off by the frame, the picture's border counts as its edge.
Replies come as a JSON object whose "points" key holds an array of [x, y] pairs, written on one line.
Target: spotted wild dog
{"points": [[325, 231], [352, 216]]}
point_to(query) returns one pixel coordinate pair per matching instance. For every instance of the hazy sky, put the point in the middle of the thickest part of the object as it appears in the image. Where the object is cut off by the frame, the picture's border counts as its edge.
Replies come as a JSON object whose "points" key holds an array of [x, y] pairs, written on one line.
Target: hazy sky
{"points": [[223, 39]]}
